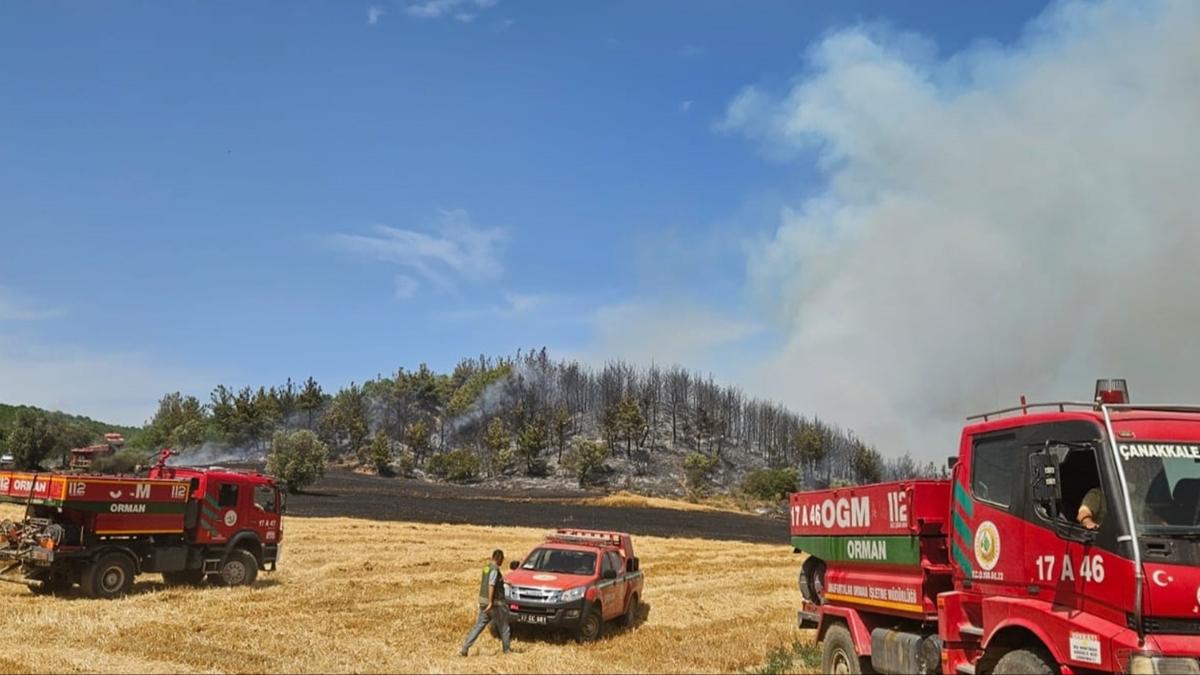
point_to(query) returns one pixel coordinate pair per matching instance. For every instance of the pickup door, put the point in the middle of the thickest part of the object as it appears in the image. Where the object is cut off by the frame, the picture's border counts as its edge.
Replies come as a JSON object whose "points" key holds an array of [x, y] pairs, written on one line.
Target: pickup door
{"points": [[612, 591]]}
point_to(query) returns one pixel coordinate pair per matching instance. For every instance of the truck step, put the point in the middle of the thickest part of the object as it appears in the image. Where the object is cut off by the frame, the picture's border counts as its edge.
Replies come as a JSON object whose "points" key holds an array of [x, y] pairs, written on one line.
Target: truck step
{"points": [[965, 669], [970, 629]]}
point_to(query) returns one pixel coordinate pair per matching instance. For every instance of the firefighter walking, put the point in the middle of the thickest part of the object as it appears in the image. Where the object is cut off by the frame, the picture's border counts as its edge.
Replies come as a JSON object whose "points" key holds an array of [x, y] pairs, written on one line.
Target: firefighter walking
{"points": [[491, 604]]}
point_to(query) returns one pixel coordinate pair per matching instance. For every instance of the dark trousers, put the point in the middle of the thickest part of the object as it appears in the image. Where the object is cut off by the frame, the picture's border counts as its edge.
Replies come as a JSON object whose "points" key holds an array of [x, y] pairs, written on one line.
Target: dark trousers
{"points": [[499, 614]]}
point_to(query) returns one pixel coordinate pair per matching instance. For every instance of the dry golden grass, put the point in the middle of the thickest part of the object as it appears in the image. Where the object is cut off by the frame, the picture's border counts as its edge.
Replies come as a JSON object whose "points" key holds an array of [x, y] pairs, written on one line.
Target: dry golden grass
{"points": [[733, 503], [625, 499], [354, 595]]}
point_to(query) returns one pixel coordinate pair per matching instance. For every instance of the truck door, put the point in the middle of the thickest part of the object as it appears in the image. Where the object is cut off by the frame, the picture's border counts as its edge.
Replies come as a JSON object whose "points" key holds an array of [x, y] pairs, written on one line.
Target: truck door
{"points": [[987, 542], [219, 515], [1062, 566], [264, 517], [612, 591]]}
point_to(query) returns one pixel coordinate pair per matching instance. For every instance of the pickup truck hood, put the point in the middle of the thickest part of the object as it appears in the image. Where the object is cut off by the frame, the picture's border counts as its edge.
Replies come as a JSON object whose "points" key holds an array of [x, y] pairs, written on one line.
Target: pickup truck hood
{"points": [[555, 580]]}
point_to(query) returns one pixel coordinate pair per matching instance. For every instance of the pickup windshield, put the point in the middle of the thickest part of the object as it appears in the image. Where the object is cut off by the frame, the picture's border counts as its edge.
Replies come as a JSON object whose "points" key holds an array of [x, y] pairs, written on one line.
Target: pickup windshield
{"points": [[1164, 485], [561, 561]]}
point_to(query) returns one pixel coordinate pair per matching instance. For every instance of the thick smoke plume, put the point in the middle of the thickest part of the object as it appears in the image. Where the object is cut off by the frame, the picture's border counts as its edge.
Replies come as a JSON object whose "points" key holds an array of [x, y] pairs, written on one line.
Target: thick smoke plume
{"points": [[1004, 220]]}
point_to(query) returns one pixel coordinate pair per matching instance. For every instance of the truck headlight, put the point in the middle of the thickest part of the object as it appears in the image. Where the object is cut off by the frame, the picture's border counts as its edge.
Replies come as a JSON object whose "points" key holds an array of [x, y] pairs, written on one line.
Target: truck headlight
{"points": [[1149, 664], [573, 594]]}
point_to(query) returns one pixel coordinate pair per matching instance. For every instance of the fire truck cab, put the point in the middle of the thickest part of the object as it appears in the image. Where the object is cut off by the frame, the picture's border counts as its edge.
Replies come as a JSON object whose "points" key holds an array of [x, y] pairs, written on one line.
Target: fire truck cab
{"points": [[101, 531], [1070, 543]]}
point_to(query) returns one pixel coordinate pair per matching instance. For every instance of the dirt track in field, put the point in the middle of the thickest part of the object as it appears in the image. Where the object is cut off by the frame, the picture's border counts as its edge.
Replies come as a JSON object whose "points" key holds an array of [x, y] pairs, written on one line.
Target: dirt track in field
{"points": [[345, 494]]}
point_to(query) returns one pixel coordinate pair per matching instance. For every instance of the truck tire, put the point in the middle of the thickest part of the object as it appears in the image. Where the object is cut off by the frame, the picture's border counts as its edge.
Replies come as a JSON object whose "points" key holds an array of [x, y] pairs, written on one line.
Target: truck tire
{"points": [[109, 576], [812, 580], [1025, 662], [629, 619], [591, 626], [183, 578], [239, 569], [838, 655], [52, 584]]}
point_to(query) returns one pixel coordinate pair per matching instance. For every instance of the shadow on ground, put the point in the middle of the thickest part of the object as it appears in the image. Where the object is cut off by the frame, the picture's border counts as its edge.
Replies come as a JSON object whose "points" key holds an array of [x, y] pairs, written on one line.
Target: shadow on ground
{"points": [[612, 629]]}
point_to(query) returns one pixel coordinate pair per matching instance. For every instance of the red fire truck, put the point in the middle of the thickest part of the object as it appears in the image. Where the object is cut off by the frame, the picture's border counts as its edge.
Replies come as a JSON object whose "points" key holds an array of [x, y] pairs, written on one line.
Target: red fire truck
{"points": [[992, 571], [101, 531]]}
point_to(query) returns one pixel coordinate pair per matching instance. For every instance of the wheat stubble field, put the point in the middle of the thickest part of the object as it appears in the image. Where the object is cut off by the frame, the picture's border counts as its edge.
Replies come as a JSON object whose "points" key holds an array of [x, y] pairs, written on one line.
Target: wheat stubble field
{"points": [[371, 596]]}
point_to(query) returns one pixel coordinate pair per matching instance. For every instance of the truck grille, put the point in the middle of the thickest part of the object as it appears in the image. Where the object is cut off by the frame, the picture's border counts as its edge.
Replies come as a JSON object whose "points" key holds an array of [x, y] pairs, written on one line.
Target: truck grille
{"points": [[1161, 626], [533, 594], [530, 609]]}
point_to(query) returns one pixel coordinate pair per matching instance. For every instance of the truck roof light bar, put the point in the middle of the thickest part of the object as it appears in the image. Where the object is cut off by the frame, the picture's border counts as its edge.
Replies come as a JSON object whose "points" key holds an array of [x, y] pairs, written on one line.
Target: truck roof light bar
{"points": [[585, 537]]}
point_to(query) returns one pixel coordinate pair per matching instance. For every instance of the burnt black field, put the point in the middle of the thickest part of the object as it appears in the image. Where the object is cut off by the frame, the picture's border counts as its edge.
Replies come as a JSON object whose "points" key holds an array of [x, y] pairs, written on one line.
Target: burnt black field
{"points": [[348, 494]]}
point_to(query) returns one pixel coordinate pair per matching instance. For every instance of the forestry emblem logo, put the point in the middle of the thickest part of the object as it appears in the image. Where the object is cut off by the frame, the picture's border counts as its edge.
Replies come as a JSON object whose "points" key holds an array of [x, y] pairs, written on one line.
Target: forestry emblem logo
{"points": [[987, 545]]}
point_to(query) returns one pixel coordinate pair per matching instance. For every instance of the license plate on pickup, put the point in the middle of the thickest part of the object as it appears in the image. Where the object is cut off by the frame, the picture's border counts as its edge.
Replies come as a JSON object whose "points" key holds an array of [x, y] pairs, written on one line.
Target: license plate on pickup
{"points": [[532, 618], [44, 555]]}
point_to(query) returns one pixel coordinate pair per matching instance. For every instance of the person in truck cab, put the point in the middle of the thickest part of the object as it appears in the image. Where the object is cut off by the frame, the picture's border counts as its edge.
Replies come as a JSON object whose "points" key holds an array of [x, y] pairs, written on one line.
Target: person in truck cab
{"points": [[1091, 509], [491, 604]]}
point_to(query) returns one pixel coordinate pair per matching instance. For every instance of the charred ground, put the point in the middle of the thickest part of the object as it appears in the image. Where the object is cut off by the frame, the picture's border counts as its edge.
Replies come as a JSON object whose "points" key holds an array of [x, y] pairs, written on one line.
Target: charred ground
{"points": [[347, 494]]}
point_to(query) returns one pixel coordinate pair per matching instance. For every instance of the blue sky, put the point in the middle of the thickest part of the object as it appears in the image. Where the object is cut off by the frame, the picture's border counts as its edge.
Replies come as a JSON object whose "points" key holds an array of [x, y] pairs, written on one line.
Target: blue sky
{"points": [[194, 193]]}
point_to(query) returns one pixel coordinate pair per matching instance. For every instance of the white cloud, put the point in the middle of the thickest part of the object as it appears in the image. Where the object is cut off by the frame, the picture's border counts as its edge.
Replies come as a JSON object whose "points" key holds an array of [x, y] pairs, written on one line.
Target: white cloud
{"points": [[374, 14], [1004, 220], [122, 388], [685, 106], [462, 10], [406, 287], [452, 251], [525, 306], [523, 303], [16, 307], [664, 332]]}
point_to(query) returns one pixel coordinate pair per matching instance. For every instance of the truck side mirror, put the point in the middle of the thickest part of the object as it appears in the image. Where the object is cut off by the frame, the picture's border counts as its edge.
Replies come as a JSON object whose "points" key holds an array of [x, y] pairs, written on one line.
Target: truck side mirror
{"points": [[514, 565], [1043, 472], [609, 574]]}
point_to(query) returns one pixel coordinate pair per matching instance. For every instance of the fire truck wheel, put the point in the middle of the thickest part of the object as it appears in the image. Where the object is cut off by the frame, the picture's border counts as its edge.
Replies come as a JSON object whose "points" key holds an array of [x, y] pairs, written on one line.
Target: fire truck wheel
{"points": [[239, 569], [629, 620], [591, 627], [109, 576], [1025, 661], [838, 655], [183, 578]]}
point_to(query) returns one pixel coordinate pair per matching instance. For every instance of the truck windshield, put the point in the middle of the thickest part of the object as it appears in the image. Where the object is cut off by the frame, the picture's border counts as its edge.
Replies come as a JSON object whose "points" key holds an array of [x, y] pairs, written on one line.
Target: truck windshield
{"points": [[561, 561], [1164, 485]]}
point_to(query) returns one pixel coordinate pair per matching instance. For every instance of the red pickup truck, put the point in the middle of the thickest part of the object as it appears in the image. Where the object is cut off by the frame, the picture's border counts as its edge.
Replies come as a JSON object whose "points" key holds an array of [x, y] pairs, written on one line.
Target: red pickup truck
{"points": [[576, 580]]}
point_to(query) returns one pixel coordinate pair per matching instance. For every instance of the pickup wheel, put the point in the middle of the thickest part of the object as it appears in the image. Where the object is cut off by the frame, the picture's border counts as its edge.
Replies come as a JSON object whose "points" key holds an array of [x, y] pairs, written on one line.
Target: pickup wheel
{"points": [[838, 655], [109, 576], [1025, 661], [183, 578], [629, 619], [591, 626], [239, 569]]}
